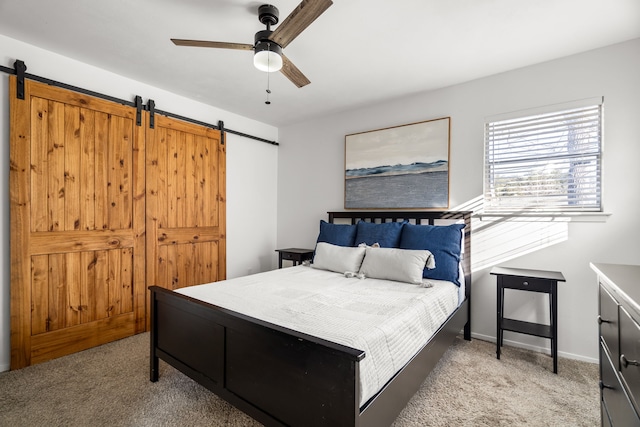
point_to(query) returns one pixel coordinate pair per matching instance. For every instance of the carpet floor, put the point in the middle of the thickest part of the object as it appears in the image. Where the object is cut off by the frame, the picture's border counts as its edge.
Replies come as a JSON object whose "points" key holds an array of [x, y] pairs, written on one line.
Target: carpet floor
{"points": [[109, 386]]}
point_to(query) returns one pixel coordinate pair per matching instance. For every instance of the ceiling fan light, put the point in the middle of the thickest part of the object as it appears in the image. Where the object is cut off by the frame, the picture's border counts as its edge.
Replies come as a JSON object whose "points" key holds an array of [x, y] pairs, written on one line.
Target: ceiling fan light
{"points": [[267, 57]]}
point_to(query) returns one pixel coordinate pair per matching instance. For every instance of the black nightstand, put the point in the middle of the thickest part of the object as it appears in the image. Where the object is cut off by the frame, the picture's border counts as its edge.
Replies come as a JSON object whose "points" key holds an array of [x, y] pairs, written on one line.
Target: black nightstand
{"points": [[535, 281], [295, 255]]}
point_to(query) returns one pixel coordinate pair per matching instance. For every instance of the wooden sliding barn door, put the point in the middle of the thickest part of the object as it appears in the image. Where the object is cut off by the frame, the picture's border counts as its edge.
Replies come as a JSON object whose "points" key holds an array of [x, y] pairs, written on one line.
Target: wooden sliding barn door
{"points": [[77, 223], [186, 204]]}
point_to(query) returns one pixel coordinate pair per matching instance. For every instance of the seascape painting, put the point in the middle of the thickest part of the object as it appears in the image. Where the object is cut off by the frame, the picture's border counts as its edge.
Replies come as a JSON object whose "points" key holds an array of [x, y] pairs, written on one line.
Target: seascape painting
{"points": [[403, 167]]}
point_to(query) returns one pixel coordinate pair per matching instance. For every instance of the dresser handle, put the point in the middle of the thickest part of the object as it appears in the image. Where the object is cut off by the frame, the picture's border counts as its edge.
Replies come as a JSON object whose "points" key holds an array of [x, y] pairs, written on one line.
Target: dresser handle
{"points": [[626, 362], [601, 320], [603, 386]]}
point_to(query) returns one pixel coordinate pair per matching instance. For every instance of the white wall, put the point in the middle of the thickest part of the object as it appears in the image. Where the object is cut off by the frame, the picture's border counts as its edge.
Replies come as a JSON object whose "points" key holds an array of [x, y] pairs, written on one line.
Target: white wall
{"points": [[305, 173], [251, 165], [311, 171]]}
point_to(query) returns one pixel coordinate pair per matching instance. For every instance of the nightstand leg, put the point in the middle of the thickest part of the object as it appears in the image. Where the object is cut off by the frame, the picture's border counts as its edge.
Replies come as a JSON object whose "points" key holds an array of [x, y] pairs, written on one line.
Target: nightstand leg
{"points": [[501, 316], [553, 300], [500, 305]]}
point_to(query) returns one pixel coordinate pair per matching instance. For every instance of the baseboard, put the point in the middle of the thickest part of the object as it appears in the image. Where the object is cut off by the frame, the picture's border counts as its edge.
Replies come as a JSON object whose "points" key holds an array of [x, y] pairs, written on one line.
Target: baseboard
{"points": [[535, 348], [4, 367]]}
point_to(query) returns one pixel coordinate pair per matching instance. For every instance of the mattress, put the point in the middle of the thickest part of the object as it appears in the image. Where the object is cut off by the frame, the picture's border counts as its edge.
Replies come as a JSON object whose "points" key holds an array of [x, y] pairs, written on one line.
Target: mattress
{"points": [[390, 321]]}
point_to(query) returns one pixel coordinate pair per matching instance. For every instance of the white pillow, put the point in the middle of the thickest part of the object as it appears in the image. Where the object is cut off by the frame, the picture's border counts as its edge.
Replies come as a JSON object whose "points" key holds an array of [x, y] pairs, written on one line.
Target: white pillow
{"points": [[337, 258], [401, 265]]}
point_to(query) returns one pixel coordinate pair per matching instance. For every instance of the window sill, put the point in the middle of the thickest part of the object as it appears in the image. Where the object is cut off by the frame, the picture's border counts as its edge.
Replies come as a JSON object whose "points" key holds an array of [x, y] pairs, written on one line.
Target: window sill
{"points": [[545, 216]]}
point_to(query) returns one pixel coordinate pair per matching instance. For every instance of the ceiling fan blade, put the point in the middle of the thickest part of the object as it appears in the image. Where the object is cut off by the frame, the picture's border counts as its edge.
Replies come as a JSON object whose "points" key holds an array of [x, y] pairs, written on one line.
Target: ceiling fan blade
{"points": [[204, 43], [301, 17], [293, 73]]}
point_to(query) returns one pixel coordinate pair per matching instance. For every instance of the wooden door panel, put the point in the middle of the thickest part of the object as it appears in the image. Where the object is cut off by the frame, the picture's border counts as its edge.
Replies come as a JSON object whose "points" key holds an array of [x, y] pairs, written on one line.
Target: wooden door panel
{"points": [[74, 151], [80, 287], [185, 205], [77, 223]]}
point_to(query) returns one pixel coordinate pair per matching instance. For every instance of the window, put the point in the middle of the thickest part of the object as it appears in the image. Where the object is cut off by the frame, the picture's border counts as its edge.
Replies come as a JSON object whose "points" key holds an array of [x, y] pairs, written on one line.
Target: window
{"points": [[549, 162]]}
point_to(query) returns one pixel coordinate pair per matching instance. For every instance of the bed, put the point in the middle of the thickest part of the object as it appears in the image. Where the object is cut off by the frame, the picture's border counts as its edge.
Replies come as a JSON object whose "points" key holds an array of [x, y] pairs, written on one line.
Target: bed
{"points": [[281, 376]]}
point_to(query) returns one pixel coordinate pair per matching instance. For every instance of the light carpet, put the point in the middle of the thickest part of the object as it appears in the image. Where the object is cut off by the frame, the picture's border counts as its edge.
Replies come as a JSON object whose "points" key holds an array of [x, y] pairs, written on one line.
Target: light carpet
{"points": [[109, 386]]}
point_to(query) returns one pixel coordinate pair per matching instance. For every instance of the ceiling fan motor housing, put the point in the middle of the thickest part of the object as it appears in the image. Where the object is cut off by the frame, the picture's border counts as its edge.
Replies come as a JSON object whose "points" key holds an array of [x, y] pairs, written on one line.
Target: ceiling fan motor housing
{"points": [[262, 42], [267, 53]]}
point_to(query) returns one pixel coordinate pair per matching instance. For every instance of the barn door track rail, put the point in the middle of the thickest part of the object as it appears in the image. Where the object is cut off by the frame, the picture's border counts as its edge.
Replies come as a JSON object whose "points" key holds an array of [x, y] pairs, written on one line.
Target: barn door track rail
{"points": [[19, 69]]}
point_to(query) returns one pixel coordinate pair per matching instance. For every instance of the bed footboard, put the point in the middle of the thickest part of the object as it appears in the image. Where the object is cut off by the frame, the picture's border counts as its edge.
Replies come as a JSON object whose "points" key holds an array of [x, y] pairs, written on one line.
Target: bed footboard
{"points": [[276, 375]]}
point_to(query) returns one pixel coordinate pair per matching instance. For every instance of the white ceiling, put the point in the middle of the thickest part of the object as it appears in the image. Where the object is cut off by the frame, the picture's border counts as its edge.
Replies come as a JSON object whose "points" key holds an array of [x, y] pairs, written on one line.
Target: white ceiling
{"points": [[358, 52]]}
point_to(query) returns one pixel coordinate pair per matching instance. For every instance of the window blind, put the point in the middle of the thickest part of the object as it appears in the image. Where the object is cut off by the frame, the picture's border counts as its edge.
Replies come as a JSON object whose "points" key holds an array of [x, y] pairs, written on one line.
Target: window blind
{"points": [[544, 163]]}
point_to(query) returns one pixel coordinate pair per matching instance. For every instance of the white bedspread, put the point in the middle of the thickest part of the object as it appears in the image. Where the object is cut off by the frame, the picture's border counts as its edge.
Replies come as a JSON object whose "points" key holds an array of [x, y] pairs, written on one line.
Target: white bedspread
{"points": [[389, 321]]}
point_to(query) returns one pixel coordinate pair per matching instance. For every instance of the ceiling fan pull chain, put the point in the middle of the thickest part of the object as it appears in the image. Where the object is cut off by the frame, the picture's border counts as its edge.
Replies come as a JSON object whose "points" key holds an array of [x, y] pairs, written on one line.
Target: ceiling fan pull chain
{"points": [[268, 79]]}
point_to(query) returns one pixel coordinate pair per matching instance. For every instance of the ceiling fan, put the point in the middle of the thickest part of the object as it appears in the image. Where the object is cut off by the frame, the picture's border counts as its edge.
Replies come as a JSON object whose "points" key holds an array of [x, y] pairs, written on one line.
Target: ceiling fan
{"points": [[268, 44]]}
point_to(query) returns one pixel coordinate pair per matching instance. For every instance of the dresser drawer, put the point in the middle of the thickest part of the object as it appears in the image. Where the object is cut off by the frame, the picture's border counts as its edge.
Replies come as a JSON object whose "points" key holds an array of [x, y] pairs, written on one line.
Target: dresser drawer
{"points": [[614, 397], [630, 355], [609, 324], [527, 283]]}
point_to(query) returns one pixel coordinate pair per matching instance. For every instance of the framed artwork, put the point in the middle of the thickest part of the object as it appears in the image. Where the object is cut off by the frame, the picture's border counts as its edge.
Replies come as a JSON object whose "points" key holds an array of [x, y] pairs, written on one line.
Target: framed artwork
{"points": [[401, 167]]}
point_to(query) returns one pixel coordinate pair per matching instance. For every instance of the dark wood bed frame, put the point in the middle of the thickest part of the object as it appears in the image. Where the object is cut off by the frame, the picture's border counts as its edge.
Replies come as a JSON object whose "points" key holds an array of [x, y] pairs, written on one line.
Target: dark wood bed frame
{"points": [[281, 377]]}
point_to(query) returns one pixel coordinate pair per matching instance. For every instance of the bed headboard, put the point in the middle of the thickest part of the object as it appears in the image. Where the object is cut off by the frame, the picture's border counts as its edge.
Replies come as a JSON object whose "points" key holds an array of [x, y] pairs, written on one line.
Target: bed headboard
{"points": [[418, 217]]}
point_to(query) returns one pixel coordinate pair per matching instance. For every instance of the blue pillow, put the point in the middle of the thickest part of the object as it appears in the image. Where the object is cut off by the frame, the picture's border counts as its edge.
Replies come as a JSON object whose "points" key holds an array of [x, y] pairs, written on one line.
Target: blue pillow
{"points": [[387, 234], [443, 241], [337, 234]]}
